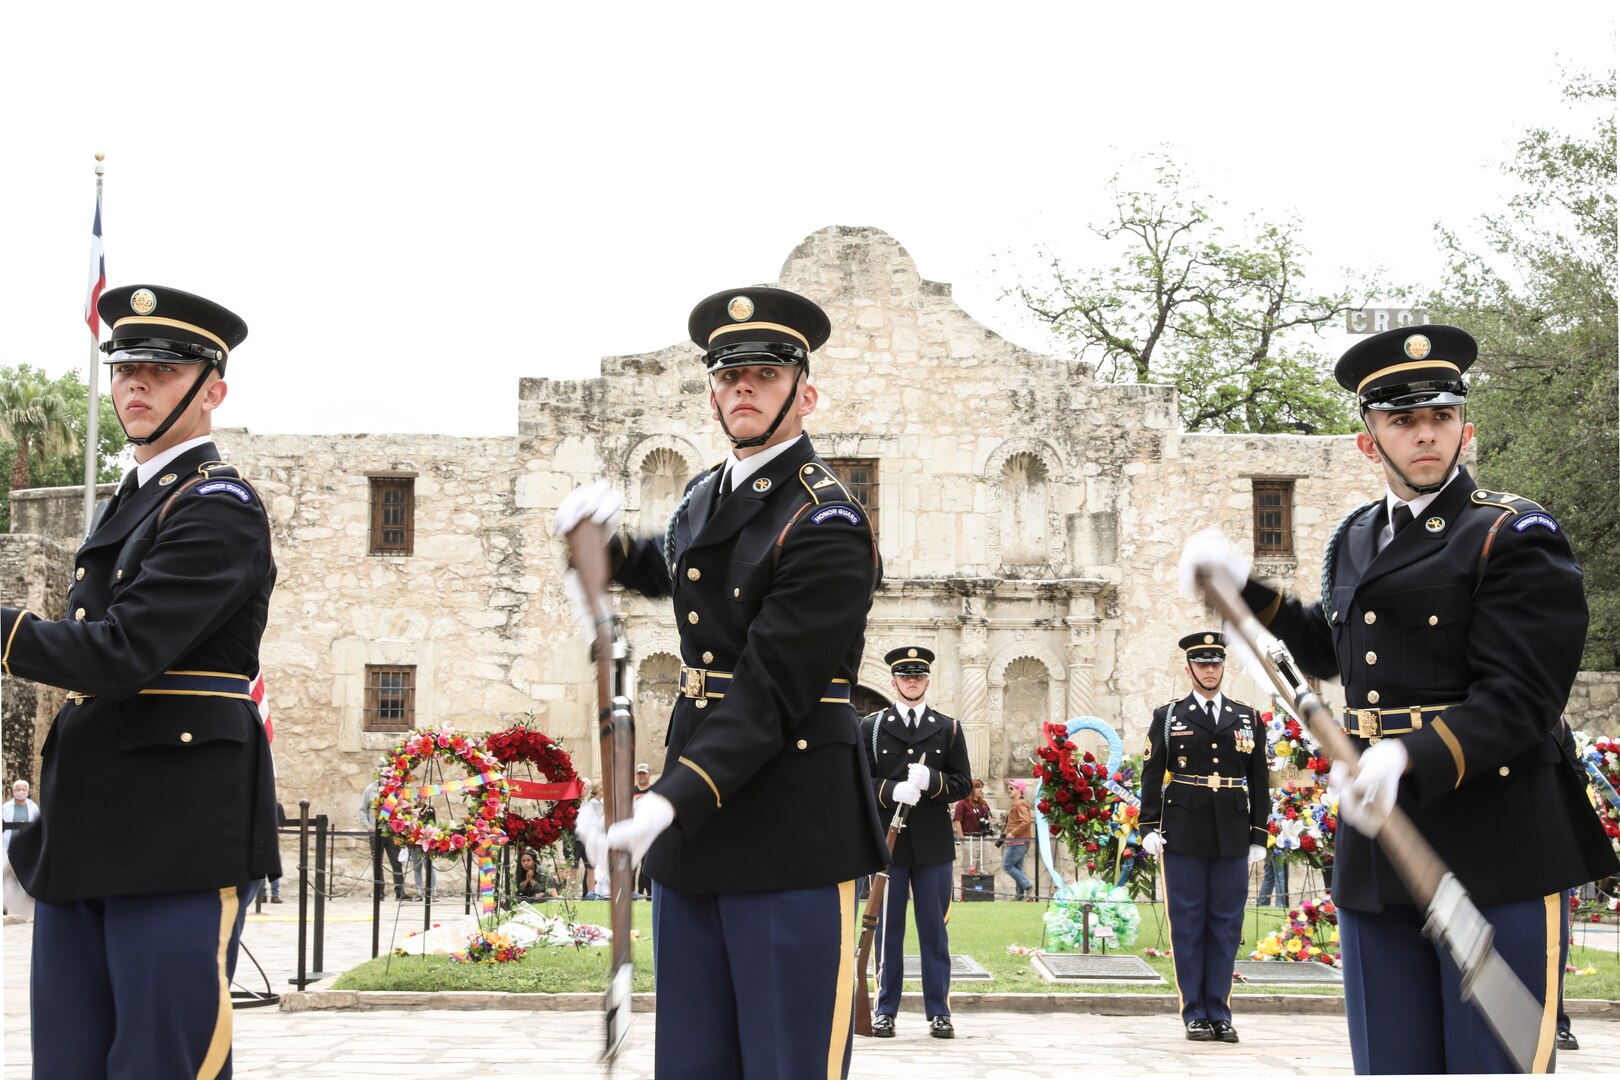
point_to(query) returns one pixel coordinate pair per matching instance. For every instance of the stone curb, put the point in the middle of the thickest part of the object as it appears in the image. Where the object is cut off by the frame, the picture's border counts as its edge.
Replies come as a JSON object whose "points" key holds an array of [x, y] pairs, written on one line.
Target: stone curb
{"points": [[1100, 1004]]}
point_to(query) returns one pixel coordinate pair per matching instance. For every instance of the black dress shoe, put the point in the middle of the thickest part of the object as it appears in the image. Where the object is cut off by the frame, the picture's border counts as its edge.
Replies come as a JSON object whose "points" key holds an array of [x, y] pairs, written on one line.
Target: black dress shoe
{"points": [[940, 1028], [1200, 1031], [1224, 1031], [883, 1027], [1567, 1040]]}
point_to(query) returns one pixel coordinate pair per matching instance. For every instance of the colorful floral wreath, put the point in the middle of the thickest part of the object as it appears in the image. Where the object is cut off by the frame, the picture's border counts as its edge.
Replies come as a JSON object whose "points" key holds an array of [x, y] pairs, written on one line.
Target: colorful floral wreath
{"points": [[1303, 822], [1113, 918], [550, 760], [483, 791], [1311, 936]]}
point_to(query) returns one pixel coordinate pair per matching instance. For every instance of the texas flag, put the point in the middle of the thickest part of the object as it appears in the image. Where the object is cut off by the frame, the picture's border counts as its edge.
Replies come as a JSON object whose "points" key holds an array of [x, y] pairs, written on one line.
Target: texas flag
{"points": [[98, 275], [256, 692]]}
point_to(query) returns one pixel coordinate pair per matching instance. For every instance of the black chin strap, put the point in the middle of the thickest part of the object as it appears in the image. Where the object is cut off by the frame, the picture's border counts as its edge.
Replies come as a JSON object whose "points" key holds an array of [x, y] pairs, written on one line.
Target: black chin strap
{"points": [[185, 403], [1421, 489], [761, 440]]}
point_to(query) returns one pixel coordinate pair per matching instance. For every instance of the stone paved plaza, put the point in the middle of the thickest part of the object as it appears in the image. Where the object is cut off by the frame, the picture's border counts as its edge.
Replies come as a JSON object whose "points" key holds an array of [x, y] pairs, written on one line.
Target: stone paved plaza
{"points": [[997, 1039]]}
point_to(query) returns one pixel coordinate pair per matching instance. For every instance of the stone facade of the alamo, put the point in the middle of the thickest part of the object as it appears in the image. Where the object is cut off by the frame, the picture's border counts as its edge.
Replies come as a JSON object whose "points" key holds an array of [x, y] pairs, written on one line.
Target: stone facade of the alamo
{"points": [[1029, 519]]}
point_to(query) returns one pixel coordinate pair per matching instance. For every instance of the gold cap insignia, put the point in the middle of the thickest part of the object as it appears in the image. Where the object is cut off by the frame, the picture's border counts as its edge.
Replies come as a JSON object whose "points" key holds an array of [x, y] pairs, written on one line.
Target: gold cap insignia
{"points": [[1417, 346], [762, 484], [142, 302], [166, 479], [740, 309], [1435, 524], [1209, 639], [911, 653]]}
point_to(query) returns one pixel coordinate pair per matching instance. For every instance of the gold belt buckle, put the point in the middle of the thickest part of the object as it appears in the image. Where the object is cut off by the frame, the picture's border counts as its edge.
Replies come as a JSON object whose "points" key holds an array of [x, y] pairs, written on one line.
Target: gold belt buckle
{"points": [[1367, 723], [1214, 782], [78, 697], [692, 680]]}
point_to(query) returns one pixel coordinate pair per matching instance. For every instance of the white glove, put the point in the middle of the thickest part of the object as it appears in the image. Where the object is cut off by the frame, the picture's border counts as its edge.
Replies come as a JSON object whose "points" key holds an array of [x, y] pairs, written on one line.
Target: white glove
{"points": [[1153, 843], [1210, 551], [1366, 801], [599, 502], [906, 792], [653, 815], [1256, 853], [918, 775], [588, 827]]}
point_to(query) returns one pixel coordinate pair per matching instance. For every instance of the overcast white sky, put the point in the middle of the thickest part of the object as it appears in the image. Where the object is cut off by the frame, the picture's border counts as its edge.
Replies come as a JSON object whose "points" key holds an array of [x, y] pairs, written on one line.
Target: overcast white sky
{"points": [[415, 205]]}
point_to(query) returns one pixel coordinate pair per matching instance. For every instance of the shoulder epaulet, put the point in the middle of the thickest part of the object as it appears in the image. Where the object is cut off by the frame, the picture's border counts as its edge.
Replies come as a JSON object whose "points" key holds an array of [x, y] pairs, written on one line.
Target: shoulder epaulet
{"points": [[820, 481], [216, 478], [1503, 500]]}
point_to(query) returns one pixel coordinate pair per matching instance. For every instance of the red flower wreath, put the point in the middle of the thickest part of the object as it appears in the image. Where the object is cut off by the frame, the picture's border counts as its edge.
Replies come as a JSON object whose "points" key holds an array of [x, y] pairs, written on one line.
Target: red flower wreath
{"points": [[551, 761], [483, 792]]}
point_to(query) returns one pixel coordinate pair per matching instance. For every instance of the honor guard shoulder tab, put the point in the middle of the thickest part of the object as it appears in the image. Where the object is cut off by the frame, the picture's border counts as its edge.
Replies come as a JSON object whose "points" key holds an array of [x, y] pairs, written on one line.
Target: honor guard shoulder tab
{"points": [[214, 478]]}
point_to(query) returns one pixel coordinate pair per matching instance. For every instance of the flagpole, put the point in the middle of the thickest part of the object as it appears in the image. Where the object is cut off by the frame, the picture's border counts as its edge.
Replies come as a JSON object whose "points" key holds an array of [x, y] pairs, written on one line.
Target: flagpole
{"points": [[92, 457]]}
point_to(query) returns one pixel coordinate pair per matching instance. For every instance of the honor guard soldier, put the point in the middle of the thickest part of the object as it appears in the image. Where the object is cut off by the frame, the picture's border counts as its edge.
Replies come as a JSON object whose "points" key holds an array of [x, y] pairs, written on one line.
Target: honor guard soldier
{"points": [[763, 816], [1455, 618], [134, 943], [918, 759], [1205, 802]]}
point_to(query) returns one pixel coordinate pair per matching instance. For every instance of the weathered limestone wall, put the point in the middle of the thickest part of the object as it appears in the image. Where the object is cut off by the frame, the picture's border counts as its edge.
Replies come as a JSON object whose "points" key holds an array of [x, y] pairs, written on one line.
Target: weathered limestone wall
{"points": [[34, 572], [57, 513]]}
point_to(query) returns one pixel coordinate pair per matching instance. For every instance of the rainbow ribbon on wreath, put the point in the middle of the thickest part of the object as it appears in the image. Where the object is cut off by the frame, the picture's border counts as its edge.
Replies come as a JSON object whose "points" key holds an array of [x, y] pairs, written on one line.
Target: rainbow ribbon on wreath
{"points": [[483, 779], [486, 882]]}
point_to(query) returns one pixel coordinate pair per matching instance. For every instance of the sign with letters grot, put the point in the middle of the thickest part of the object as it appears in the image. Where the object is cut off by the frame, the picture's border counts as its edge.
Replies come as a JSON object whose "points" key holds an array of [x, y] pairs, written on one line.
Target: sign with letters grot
{"points": [[1375, 320]]}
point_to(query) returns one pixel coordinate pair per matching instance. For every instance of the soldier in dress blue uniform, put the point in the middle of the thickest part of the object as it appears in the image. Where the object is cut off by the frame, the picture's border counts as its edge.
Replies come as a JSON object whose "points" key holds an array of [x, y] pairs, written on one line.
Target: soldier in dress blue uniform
{"points": [[1205, 802], [763, 818], [134, 942], [1455, 617], [899, 739]]}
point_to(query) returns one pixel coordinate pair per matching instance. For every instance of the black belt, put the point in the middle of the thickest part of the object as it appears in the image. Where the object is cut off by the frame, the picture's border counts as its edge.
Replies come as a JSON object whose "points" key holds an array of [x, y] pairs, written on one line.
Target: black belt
{"points": [[1371, 723], [1214, 782], [189, 684], [701, 684]]}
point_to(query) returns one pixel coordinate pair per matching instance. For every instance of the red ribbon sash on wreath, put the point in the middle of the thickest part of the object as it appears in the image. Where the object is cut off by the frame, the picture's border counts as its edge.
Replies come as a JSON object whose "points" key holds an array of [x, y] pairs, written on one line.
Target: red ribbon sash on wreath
{"points": [[529, 789]]}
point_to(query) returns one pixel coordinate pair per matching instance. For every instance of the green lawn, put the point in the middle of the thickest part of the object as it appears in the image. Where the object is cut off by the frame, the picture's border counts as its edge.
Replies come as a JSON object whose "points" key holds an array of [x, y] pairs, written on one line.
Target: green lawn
{"points": [[980, 930]]}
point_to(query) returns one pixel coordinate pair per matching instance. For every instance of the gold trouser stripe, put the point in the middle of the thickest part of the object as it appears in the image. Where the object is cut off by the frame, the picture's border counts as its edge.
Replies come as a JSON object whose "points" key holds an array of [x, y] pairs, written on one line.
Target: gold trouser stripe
{"points": [[1549, 991], [219, 1047], [844, 1000], [1164, 876], [1440, 728], [1393, 368], [212, 674], [695, 767], [5, 658], [158, 320]]}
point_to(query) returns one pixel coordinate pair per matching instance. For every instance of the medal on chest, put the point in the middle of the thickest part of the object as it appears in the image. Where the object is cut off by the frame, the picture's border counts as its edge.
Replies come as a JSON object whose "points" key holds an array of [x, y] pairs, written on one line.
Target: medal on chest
{"points": [[1244, 737]]}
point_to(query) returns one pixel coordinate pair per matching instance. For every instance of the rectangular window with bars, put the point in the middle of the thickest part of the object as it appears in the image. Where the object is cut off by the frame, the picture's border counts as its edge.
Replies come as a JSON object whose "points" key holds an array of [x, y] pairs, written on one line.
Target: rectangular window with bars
{"points": [[393, 515], [860, 475], [1273, 519], [390, 698]]}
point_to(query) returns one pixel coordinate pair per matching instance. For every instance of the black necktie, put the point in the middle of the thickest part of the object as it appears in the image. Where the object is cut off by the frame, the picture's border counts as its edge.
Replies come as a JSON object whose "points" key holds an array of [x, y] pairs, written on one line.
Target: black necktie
{"points": [[911, 718], [720, 496], [1209, 711], [129, 484], [1401, 518]]}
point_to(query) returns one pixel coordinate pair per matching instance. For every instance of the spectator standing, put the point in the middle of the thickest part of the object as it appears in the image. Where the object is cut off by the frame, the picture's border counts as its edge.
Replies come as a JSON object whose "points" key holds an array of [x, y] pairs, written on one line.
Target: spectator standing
{"points": [[19, 811], [1015, 845]]}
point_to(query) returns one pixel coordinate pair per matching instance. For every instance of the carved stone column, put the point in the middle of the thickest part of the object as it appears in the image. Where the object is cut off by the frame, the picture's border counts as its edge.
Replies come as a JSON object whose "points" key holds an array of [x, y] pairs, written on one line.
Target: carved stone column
{"points": [[974, 706], [1082, 661]]}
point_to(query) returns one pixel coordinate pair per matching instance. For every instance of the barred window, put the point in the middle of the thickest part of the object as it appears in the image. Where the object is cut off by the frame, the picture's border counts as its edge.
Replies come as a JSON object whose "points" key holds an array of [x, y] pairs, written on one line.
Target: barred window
{"points": [[393, 515], [390, 698], [1273, 519], [860, 475]]}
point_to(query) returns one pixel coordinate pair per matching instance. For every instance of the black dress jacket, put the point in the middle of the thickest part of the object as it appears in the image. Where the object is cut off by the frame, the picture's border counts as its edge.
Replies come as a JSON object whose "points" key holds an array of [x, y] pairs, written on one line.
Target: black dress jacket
{"points": [[769, 785], [188, 594], [1196, 817], [1477, 611], [928, 836]]}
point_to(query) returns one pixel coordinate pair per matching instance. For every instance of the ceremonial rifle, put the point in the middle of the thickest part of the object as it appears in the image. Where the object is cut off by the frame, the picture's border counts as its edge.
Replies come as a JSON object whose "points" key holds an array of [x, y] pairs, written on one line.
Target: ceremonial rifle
{"points": [[869, 921], [1454, 922], [616, 728]]}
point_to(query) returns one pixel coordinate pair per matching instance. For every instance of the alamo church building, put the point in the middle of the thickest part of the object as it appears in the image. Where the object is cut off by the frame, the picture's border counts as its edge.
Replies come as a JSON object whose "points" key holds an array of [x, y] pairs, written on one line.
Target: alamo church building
{"points": [[1030, 519]]}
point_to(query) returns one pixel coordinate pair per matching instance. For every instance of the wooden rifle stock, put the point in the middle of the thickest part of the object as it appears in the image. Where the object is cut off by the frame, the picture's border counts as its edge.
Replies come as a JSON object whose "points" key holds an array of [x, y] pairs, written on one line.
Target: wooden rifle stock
{"points": [[869, 921]]}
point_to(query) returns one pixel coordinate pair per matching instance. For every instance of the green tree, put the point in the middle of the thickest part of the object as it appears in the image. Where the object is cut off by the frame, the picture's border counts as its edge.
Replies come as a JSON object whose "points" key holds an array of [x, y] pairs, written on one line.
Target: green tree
{"points": [[1540, 298], [64, 465], [1227, 321]]}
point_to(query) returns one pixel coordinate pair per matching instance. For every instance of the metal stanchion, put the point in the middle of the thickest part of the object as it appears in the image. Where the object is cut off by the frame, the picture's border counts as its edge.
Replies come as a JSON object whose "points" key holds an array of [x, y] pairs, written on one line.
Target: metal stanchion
{"points": [[468, 890], [300, 980], [322, 885], [376, 889]]}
